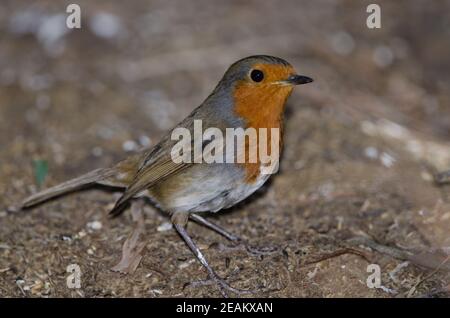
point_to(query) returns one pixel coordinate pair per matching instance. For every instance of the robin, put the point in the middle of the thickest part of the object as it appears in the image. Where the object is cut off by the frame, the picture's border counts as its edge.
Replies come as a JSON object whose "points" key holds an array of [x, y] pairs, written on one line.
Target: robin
{"points": [[251, 94]]}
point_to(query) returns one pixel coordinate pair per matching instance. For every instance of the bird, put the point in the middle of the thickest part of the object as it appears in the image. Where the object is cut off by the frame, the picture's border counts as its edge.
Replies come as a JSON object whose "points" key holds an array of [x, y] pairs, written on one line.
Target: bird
{"points": [[251, 94]]}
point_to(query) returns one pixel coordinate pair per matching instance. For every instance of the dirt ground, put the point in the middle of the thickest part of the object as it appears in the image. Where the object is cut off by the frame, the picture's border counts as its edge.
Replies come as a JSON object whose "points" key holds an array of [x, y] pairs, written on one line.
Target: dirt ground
{"points": [[356, 181]]}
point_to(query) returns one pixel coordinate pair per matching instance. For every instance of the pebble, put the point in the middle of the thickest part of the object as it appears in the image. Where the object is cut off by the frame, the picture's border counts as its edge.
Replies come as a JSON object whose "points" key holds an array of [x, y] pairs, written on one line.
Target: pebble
{"points": [[383, 56], [166, 226], [105, 25], [145, 141], [186, 264], [66, 238], [95, 225], [80, 234], [156, 291], [371, 152], [387, 160], [129, 145], [52, 29]]}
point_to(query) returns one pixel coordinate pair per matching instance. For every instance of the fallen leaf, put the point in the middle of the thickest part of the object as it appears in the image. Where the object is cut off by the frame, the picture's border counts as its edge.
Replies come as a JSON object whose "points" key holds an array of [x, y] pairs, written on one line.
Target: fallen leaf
{"points": [[134, 244]]}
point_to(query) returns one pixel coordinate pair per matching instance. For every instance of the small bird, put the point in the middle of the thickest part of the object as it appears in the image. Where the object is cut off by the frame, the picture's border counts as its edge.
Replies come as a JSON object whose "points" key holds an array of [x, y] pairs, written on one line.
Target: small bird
{"points": [[251, 94]]}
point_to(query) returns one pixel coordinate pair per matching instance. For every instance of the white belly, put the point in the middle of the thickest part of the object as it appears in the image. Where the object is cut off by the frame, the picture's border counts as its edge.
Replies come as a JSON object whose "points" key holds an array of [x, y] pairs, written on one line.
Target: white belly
{"points": [[220, 188]]}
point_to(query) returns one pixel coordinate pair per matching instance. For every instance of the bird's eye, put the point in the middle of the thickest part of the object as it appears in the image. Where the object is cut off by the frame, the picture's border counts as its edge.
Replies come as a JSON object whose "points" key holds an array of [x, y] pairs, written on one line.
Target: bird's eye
{"points": [[257, 76]]}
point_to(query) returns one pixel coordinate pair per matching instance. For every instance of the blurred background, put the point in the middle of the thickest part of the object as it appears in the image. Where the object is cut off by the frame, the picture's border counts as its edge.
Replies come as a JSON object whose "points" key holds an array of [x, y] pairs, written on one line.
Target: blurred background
{"points": [[364, 142]]}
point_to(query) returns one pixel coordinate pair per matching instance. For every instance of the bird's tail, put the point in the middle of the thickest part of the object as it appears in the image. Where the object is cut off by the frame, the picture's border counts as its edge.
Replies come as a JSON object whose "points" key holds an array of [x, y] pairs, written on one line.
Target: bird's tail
{"points": [[88, 179]]}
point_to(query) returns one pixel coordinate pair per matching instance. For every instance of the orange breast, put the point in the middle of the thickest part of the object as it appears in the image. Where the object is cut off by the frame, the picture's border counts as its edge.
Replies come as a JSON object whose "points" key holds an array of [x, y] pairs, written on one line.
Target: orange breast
{"points": [[261, 106]]}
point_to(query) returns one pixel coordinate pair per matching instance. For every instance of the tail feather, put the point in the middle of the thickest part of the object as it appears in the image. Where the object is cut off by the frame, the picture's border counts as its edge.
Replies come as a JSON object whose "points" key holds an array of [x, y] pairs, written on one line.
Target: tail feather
{"points": [[85, 180]]}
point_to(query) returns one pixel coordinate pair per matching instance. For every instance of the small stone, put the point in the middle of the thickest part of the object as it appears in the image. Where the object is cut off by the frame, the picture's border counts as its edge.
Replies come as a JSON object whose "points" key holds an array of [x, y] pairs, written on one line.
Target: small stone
{"points": [[156, 291], [371, 152], [95, 225], [145, 141], [186, 264], [105, 25], [80, 234], [383, 56], [387, 160], [129, 145], [66, 238], [202, 246], [166, 226]]}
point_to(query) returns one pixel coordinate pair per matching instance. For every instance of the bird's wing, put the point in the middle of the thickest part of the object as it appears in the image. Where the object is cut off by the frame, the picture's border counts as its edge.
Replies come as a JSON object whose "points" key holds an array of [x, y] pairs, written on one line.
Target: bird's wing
{"points": [[156, 165], [148, 176]]}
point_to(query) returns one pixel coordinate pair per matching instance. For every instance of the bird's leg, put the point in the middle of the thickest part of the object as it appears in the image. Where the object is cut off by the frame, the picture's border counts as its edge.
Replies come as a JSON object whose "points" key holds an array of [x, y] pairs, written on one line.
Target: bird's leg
{"points": [[217, 228], [233, 238], [179, 221]]}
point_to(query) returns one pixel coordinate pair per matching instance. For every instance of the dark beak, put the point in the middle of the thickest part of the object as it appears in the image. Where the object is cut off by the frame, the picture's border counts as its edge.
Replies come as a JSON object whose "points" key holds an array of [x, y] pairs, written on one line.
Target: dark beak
{"points": [[298, 80]]}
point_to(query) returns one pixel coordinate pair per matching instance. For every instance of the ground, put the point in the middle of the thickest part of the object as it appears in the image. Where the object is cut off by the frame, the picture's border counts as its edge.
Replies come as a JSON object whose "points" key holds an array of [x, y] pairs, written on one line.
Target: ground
{"points": [[356, 181]]}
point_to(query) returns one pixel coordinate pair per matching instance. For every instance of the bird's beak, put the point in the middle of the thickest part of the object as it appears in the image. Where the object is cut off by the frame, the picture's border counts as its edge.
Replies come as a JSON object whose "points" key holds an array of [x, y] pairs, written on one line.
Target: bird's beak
{"points": [[297, 80]]}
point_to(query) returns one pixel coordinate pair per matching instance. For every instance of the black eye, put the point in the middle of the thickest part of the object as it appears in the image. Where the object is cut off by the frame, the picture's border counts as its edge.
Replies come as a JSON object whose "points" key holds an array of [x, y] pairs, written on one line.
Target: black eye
{"points": [[257, 76]]}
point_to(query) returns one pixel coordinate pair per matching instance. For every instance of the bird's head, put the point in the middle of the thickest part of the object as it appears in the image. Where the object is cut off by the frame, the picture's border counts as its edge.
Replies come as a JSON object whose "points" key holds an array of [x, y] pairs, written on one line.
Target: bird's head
{"points": [[260, 86]]}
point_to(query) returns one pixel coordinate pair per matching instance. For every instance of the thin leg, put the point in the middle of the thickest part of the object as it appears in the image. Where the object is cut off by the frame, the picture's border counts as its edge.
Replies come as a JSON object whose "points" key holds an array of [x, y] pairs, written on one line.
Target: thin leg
{"points": [[223, 286], [215, 227], [233, 238]]}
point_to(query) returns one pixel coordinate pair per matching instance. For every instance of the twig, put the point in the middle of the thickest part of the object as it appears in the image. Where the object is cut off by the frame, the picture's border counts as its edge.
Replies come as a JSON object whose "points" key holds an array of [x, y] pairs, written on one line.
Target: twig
{"points": [[347, 250], [414, 288], [383, 249], [133, 246]]}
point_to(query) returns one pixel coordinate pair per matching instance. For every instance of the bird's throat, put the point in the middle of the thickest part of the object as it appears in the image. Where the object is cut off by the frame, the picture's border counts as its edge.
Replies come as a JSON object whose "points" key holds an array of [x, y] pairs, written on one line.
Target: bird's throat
{"points": [[261, 107]]}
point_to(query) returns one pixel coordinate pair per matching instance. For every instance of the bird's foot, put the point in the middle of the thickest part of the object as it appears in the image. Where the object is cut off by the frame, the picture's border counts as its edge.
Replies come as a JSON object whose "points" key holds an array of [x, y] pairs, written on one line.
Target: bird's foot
{"points": [[237, 241]]}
